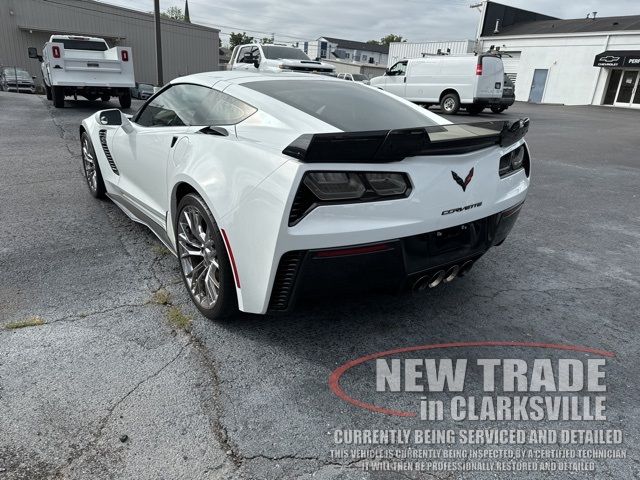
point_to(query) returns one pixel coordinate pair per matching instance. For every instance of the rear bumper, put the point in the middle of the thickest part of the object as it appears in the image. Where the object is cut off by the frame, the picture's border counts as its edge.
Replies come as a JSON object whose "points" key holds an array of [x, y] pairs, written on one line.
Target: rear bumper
{"points": [[503, 102], [393, 265]]}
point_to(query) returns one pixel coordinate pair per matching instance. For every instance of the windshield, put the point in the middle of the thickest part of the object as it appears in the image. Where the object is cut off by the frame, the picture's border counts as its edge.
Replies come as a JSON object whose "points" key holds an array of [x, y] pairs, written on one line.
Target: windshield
{"points": [[70, 44], [145, 86], [12, 72], [359, 78], [274, 52], [344, 105]]}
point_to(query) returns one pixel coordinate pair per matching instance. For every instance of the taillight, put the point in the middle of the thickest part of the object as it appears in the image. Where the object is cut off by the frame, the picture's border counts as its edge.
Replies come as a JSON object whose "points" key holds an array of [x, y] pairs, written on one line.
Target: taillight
{"points": [[338, 187], [479, 68], [55, 51], [125, 55]]}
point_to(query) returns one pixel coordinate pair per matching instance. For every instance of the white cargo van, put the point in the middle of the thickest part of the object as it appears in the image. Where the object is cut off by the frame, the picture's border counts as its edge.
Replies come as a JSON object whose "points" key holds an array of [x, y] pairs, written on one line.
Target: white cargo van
{"points": [[471, 82]]}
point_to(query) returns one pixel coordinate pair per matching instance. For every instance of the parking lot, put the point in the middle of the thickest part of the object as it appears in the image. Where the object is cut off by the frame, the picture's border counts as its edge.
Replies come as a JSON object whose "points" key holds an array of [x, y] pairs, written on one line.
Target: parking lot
{"points": [[116, 375]]}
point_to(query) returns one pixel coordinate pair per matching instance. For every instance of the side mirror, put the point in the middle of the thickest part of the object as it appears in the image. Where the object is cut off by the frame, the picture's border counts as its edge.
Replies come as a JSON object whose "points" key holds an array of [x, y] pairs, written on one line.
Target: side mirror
{"points": [[115, 118], [112, 118], [33, 53], [256, 63]]}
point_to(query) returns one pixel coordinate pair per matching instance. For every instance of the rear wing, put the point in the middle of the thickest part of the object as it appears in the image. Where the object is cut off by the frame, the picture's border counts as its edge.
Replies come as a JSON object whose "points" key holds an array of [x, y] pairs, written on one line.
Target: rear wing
{"points": [[385, 146]]}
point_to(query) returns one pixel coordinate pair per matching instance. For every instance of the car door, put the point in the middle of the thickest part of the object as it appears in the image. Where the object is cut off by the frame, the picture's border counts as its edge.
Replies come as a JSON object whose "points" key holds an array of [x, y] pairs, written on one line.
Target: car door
{"points": [[241, 63], [396, 78], [142, 152]]}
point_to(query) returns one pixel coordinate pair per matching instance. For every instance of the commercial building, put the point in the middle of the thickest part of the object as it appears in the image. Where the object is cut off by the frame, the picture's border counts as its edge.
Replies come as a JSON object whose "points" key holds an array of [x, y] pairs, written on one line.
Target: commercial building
{"points": [[586, 61], [186, 47], [347, 51], [403, 50]]}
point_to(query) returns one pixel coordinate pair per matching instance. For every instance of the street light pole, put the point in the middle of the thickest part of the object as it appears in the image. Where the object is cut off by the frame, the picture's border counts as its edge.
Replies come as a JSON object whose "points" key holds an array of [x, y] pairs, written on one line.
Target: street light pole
{"points": [[158, 42]]}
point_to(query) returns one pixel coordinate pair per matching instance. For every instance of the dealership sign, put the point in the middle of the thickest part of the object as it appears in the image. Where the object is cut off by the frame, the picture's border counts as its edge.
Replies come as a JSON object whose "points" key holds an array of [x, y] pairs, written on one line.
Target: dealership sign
{"points": [[618, 59]]}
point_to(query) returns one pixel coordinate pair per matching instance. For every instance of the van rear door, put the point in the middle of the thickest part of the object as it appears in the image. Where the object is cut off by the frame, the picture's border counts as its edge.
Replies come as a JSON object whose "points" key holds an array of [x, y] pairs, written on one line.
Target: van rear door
{"points": [[489, 73]]}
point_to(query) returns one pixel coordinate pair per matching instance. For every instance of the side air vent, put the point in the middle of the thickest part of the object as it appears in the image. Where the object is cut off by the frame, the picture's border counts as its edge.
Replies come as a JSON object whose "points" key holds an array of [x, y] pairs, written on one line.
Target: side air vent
{"points": [[103, 141], [285, 280]]}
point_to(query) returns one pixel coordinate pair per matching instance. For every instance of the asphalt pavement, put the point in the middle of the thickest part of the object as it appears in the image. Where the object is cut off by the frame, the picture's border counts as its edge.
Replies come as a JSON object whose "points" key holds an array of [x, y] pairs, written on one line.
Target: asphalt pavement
{"points": [[115, 374]]}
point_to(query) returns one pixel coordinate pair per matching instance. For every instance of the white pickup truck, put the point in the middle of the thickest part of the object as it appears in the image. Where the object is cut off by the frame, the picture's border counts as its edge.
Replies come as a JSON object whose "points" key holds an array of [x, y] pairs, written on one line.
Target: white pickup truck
{"points": [[85, 66], [256, 57]]}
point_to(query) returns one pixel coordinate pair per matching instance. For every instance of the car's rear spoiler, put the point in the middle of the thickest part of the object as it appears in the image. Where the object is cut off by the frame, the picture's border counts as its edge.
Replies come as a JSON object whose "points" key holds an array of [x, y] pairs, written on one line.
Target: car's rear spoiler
{"points": [[384, 146]]}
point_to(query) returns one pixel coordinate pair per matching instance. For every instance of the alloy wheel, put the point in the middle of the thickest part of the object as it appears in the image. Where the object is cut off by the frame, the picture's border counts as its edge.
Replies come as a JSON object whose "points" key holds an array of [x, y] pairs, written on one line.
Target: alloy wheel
{"points": [[89, 162], [198, 257]]}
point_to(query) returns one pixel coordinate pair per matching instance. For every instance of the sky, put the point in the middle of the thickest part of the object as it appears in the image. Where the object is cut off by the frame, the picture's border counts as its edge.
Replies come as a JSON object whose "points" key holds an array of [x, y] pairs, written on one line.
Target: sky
{"points": [[362, 20]]}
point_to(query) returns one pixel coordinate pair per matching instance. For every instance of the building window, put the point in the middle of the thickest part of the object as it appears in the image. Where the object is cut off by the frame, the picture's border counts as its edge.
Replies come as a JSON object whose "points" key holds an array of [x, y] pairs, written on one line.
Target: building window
{"points": [[370, 59], [356, 58], [323, 49], [347, 55], [364, 58]]}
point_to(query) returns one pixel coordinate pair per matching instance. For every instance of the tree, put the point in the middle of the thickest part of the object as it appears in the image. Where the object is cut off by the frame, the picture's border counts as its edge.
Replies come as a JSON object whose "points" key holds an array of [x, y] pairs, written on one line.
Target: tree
{"points": [[373, 42], [239, 39], [391, 38], [266, 40], [174, 13]]}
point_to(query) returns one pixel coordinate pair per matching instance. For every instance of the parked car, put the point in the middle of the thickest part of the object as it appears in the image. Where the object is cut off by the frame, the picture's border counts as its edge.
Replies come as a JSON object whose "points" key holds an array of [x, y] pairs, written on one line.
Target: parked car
{"points": [[471, 82], [275, 58], [14, 79], [268, 187], [354, 77], [74, 65], [508, 97], [142, 91]]}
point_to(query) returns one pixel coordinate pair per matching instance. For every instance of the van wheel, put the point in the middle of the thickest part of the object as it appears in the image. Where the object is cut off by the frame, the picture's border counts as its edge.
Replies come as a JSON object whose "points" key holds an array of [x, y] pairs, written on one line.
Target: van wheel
{"points": [[57, 94], [498, 109], [474, 109], [450, 103], [47, 91]]}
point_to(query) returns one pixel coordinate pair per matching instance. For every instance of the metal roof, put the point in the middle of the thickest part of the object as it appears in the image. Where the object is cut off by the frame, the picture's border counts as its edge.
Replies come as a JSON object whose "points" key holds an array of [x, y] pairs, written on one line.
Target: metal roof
{"points": [[580, 25], [353, 45]]}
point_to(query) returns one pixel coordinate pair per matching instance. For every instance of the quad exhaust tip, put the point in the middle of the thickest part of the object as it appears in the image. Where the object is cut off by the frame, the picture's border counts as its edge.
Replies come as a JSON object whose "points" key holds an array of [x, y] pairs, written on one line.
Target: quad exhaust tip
{"points": [[442, 276], [451, 274]]}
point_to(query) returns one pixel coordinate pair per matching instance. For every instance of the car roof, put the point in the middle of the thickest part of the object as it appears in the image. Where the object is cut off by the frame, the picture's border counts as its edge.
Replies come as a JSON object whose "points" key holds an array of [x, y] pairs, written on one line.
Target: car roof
{"points": [[239, 77]]}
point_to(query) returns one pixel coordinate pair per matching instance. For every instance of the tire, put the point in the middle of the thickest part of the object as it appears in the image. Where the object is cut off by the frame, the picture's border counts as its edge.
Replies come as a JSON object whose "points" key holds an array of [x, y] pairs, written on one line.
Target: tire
{"points": [[125, 100], [91, 167], [450, 103], [474, 109], [58, 97], [498, 109], [105, 98], [205, 254], [47, 91]]}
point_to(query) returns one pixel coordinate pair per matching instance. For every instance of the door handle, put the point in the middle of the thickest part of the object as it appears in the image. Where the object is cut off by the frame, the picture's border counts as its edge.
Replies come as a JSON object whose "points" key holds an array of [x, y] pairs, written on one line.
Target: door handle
{"points": [[173, 141]]}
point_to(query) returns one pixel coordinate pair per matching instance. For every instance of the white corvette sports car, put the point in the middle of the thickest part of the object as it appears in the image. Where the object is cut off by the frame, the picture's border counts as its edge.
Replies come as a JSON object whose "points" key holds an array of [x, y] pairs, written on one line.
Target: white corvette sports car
{"points": [[268, 187]]}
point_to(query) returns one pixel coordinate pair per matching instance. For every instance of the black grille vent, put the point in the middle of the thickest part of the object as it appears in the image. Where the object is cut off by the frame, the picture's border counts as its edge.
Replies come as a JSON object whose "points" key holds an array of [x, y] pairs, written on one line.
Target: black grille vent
{"points": [[285, 280], [103, 141], [303, 203]]}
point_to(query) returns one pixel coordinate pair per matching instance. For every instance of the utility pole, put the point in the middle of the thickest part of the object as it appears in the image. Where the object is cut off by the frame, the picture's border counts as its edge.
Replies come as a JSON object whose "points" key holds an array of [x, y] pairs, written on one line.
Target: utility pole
{"points": [[158, 42]]}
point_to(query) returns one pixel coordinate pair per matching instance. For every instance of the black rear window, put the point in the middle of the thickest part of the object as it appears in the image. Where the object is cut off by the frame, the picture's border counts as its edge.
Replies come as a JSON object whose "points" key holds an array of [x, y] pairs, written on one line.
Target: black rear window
{"points": [[82, 45], [275, 52], [349, 106]]}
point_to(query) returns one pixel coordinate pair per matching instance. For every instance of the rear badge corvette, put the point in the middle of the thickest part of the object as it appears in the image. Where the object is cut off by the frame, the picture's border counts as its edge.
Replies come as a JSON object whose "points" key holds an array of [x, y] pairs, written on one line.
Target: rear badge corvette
{"points": [[462, 209]]}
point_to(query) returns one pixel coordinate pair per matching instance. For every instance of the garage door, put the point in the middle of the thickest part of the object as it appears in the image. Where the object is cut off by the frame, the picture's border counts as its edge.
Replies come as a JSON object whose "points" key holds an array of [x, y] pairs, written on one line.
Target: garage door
{"points": [[510, 60]]}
